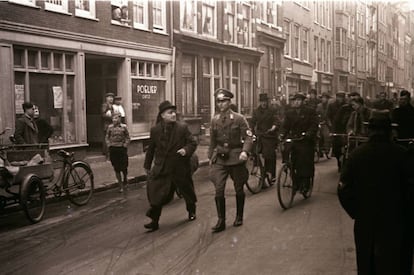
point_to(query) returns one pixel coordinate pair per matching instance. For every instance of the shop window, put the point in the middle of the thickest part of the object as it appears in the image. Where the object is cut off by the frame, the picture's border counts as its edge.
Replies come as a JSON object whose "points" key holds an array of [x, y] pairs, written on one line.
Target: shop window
{"points": [[140, 9], [57, 61], [57, 5], [148, 91], [188, 15], [69, 62], [120, 13], [188, 85], [85, 8], [32, 59], [206, 65], [53, 93], [163, 69], [159, 15], [45, 60], [18, 57]]}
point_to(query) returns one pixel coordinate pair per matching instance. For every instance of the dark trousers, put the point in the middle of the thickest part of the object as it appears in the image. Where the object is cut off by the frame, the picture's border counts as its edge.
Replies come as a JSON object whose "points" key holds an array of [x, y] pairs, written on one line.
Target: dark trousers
{"points": [[219, 174]]}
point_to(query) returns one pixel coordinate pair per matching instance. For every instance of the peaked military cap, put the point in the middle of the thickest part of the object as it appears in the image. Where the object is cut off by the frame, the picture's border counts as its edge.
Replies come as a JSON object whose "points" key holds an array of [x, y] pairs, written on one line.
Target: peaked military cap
{"points": [[223, 94]]}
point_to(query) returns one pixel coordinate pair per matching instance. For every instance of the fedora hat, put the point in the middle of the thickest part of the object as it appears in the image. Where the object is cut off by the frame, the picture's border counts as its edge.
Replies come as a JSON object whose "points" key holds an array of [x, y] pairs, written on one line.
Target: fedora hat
{"points": [[263, 97], [380, 119], [165, 105]]}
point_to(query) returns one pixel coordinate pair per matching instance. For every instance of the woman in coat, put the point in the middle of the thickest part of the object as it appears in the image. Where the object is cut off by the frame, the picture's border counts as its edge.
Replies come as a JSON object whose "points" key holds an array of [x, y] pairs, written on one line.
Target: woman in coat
{"points": [[171, 147]]}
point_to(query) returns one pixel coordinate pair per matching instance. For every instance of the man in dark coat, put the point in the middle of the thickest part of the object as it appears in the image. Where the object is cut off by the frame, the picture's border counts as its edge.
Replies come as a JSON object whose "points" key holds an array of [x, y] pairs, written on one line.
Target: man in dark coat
{"points": [[382, 103], [26, 131], [171, 146], [372, 190], [301, 120], [265, 122], [404, 116], [230, 144]]}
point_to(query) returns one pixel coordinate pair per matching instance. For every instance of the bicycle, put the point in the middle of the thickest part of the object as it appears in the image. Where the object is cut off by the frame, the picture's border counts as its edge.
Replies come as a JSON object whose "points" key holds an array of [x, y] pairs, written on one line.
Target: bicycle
{"points": [[257, 172], [286, 185], [75, 179]]}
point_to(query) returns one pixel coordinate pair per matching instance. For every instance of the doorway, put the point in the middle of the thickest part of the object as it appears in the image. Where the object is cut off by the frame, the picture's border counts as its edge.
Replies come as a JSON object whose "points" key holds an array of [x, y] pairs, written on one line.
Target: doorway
{"points": [[101, 77]]}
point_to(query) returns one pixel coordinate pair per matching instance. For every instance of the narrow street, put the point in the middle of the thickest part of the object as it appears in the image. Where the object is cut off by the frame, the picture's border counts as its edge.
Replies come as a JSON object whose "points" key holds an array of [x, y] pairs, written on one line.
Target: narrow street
{"points": [[107, 236]]}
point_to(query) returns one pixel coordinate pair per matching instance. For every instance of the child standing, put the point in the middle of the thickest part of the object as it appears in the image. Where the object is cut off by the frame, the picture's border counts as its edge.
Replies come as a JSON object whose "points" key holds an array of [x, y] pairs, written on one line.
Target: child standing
{"points": [[117, 140]]}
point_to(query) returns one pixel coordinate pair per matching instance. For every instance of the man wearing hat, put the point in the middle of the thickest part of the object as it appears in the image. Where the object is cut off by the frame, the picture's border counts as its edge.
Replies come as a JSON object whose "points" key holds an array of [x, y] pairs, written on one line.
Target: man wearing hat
{"points": [[230, 144], [107, 111], [265, 122], [321, 111], [372, 190], [403, 116], [26, 131], [382, 103], [299, 121], [171, 147]]}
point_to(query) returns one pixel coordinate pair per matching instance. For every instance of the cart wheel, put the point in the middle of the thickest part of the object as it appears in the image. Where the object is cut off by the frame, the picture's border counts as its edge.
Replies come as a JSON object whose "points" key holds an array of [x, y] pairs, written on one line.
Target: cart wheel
{"points": [[33, 198]]}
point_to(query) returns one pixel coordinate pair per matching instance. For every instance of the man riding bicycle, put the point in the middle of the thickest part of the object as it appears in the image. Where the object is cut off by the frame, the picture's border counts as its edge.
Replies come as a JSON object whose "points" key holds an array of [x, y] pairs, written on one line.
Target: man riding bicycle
{"points": [[299, 121], [265, 122]]}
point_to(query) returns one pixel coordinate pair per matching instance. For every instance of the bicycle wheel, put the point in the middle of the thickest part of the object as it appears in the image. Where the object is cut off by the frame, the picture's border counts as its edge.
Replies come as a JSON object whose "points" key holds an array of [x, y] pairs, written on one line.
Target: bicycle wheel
{"points": [[308, 192], [256, 175], [78, 184], [285, 190], [33, 198]]}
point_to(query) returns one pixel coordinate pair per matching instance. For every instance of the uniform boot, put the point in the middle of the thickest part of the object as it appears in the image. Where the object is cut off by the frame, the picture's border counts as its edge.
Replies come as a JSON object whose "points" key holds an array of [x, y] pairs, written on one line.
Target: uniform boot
{"points": [[240, 207], [221, 213], [154, 213]]}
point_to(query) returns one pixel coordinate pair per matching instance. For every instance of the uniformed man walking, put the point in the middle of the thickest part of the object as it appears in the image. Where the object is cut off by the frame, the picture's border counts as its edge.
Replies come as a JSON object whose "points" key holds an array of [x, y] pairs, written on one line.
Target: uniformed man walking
{"points": [[230, 144]]}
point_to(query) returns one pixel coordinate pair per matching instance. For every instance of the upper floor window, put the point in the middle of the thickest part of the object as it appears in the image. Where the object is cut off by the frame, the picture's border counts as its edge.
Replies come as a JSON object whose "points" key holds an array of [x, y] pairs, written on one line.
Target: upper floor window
{"points": [[85, 8], [159, 15], [286, 30], [57, 5], [243, 25], [305, 45], [24, 2], [340, 42], [120, 13], [188, 15], [230, 14], [295, 41], [268, 12], [208, 17], [140, 10]]}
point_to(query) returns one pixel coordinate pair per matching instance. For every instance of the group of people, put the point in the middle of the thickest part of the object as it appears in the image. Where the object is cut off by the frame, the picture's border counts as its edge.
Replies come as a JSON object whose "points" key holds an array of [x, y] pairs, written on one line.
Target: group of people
{"points": [[30, 127]]}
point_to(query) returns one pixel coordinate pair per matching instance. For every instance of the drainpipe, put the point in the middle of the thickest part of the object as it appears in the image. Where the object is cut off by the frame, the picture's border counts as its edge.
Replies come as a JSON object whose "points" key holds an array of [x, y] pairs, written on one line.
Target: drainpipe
{"points": [[173, 95]]}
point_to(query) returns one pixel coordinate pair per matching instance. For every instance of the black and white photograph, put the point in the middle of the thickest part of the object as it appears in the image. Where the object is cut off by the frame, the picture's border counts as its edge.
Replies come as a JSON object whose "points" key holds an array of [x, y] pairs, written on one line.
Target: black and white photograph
{"points": [[203, 137]]}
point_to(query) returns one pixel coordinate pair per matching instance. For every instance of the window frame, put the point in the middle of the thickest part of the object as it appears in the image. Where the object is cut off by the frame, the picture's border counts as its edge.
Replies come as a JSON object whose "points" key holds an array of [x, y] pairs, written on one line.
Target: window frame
{"points": [[193, 15], [84, 13], [288, 34], [63, 8], [212, 5], [145, 13], [160, 28]]}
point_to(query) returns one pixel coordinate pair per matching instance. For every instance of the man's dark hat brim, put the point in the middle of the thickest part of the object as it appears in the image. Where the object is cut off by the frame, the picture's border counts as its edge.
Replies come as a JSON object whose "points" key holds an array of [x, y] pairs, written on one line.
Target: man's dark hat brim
{"points": [[165, 106]]}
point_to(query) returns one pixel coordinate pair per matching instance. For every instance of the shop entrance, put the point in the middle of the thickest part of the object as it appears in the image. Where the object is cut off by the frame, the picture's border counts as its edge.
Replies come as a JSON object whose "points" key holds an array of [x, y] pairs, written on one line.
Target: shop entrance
{"points": [[101, 74]]}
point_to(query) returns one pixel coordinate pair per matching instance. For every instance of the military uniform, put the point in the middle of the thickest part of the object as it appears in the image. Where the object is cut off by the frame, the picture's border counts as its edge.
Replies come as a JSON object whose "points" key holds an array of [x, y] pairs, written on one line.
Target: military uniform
{"points": [[230, 136]]}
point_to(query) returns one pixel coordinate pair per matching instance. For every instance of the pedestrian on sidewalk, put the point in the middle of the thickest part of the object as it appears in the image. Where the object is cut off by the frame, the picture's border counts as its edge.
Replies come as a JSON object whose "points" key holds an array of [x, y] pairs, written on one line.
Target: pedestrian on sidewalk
{"points": [[117, 140], [373, 190], [171, 147], [230, 143]]}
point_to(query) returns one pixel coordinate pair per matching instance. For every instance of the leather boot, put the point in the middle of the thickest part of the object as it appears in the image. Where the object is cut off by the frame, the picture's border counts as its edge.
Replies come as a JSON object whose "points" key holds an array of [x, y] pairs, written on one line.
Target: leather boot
{"points": [[153, 213], [240, 207], [221, 213]]}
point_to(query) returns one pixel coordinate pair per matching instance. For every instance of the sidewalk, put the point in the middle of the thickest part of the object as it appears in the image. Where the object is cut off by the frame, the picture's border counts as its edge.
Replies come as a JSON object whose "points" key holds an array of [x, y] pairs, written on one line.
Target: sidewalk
{"points": [[104, 176]]}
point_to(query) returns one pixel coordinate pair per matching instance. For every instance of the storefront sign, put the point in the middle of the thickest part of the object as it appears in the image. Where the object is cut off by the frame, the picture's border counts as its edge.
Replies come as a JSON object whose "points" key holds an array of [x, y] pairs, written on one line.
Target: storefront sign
{"points": [[146, 96], [19, 98]]}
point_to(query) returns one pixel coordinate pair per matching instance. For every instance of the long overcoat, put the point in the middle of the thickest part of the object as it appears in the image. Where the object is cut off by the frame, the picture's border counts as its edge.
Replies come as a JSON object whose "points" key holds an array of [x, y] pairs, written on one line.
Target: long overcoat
{"points": [[168, 167], [298, 121], [373, 194]]}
